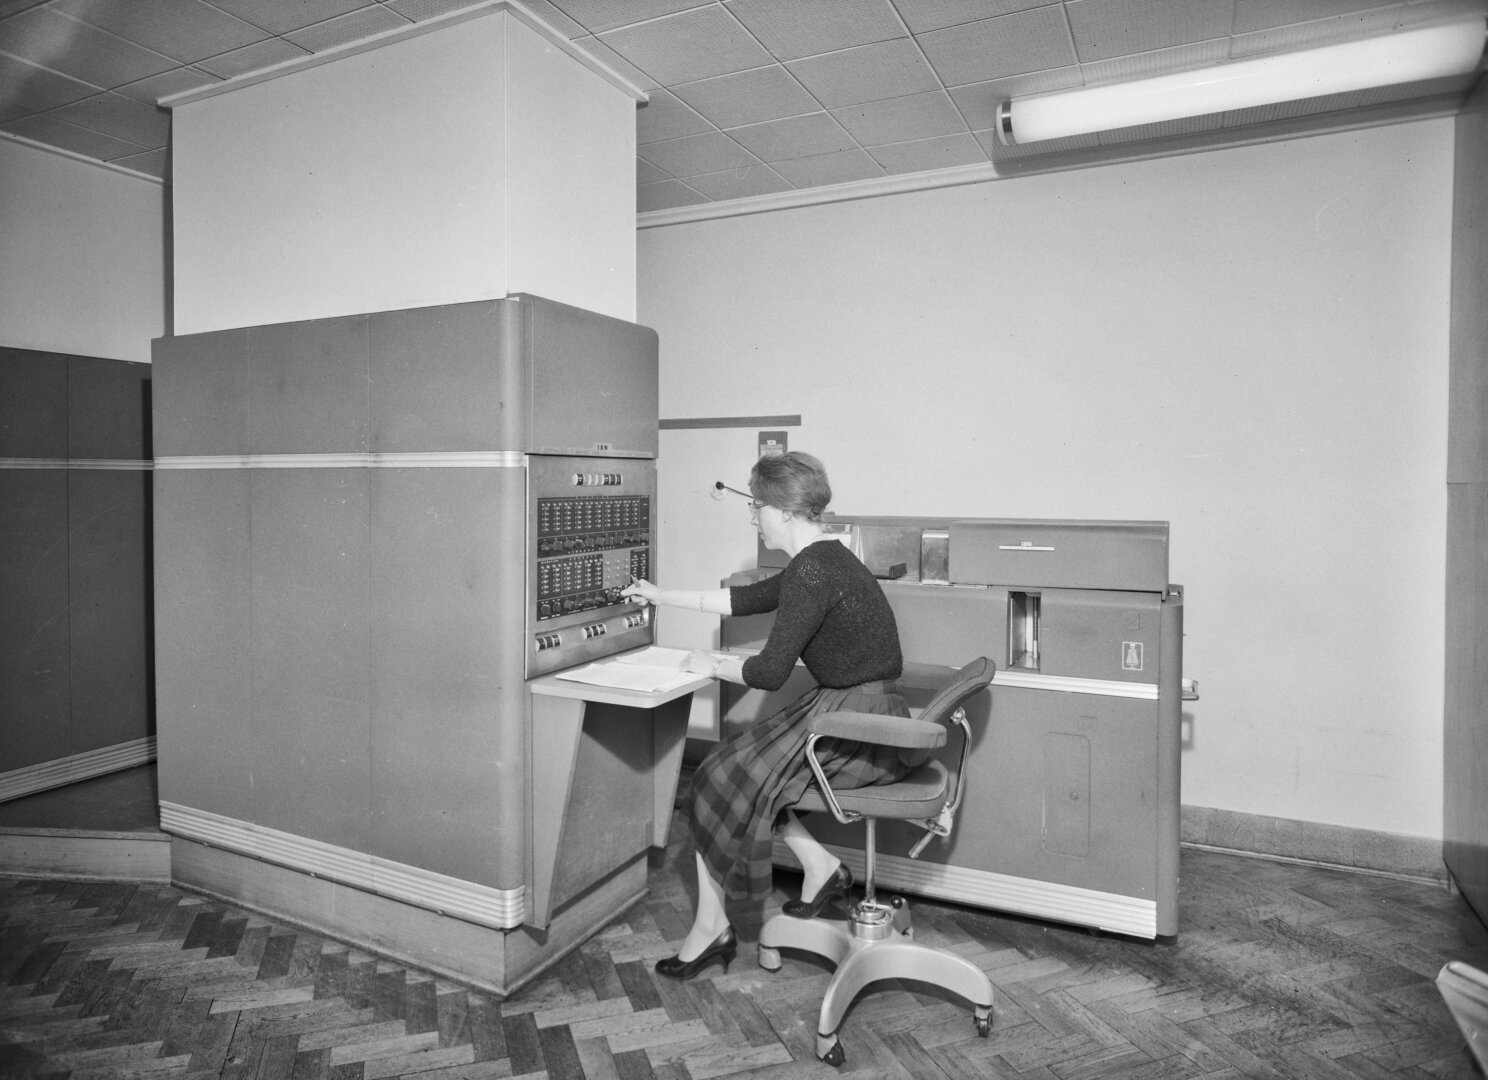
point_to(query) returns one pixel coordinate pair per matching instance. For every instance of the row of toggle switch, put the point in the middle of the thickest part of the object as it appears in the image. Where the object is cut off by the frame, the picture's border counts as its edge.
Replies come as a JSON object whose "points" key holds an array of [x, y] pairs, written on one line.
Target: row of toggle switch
{"points": [[554, 640]]}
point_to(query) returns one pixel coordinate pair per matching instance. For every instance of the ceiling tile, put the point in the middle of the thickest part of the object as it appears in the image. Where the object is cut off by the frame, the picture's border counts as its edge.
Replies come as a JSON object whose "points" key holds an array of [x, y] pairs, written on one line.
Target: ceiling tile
{"points": [[262, 55], [121, 117], [748, 97], [421, 10], [866, 73], [77, 49], [694, 155], [617, 63], [839, 168], [791, 29], [664, 117], [345, 29], [665, 195], [186, 30], [876, 123], [978, 102], [176, 81], [543, 9], [1307, 35], [793, 137], [997, 48], [740, 183], [1157, 62], [599, 15], [924, 15], [646, 173], [26, 88], [1107, 28], [53, 132], [277, 17], [1262, 14], [696, 44], [924, 155]]}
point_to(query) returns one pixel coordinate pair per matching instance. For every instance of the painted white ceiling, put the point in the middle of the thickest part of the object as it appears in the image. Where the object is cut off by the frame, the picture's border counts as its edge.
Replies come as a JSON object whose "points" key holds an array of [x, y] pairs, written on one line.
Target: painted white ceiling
{"points": [[747, 97]]}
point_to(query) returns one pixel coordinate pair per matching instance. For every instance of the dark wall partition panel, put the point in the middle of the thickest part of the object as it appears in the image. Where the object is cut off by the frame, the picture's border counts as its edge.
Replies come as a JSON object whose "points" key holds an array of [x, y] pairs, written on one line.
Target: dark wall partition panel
{"points": [[35, 684], [203, 622], [75, 568]]}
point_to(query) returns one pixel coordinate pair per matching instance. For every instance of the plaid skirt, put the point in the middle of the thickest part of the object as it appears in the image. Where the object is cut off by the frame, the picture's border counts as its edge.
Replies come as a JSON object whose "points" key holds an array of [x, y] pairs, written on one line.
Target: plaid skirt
{"points": [[749, 779]]}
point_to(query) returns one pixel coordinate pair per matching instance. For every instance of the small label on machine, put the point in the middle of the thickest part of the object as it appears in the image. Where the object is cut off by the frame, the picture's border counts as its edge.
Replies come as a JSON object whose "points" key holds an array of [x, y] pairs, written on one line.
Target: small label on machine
{"points": [[1131, 656]]}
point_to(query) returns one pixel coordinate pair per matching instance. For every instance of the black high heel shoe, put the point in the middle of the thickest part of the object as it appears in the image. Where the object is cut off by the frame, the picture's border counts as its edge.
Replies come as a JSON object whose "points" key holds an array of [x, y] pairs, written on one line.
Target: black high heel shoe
{"points": [[724, 946], [835, 890]]}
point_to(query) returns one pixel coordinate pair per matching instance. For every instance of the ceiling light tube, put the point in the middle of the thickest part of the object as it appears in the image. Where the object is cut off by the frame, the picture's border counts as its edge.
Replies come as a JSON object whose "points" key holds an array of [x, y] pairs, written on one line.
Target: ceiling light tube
{"points": [[1409, 56]]}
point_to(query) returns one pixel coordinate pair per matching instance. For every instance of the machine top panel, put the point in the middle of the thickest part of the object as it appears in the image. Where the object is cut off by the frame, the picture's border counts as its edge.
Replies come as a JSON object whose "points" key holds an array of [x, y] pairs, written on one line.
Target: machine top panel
{"points": [[1054, 554]]}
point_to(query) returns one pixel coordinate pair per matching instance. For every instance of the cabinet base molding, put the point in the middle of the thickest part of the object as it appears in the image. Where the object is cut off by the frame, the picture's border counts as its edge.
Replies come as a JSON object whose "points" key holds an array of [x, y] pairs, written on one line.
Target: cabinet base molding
{"points": [[495, 961]]}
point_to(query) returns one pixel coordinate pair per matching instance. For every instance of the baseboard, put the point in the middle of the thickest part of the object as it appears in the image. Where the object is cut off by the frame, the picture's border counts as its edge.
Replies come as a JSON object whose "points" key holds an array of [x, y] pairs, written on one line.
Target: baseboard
{"points": [[1416, 858], [78, 855], [45, 775]]}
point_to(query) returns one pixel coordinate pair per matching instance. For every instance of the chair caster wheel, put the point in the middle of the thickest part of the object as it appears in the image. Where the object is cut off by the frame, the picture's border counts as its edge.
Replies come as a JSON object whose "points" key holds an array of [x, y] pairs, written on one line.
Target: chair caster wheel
{"points": [[832, 1054], [984, 1025], [769, 958]]}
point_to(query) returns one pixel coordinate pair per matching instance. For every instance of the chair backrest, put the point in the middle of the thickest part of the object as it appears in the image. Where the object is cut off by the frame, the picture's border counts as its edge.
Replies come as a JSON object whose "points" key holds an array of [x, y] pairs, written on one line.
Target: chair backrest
{"points": [[971, 679]]}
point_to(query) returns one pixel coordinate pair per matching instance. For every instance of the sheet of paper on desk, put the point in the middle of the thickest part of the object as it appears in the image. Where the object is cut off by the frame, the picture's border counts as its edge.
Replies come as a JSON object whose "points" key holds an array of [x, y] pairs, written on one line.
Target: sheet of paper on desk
{"points": [[655, 656], [626, 675], [650, 670]]}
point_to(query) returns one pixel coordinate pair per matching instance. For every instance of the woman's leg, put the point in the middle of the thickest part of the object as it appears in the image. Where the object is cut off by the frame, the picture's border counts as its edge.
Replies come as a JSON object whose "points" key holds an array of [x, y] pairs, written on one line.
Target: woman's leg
{"points": [[817, 863], [711, 919]]}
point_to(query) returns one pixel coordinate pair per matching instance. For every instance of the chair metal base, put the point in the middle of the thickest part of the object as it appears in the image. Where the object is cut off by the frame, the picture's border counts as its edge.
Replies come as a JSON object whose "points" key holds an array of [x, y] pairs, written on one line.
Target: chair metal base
{"points": [[876, 943]]}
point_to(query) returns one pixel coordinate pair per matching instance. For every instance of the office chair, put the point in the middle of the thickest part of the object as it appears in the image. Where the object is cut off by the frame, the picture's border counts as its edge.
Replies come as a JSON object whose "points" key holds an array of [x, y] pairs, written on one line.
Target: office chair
{"points": [[876, 942]]}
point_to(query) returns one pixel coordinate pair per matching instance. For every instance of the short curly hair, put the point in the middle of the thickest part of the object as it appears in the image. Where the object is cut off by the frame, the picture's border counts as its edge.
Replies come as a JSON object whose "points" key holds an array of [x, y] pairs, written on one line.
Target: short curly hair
{"points": [[792, 481]]}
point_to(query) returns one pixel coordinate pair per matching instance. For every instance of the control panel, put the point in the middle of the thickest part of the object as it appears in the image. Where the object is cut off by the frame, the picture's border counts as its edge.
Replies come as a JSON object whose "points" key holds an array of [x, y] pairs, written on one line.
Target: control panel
{"points": [[589, 535]]}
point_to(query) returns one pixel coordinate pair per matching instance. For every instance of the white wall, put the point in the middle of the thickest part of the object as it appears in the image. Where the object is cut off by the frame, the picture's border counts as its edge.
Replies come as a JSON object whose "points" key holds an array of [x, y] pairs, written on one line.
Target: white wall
{"points": [[1249, 343], [82, 256], [462, 164]]}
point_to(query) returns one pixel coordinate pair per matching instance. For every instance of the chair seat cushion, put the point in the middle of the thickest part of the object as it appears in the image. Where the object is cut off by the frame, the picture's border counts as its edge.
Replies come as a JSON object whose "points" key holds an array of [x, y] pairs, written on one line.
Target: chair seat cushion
{"points": [[920, 794]]}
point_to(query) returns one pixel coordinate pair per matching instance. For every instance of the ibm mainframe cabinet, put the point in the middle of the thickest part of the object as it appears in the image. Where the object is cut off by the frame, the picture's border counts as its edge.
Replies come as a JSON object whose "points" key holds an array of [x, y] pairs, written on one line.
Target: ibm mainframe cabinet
{"points": [[374, 534], [1071, 810]]}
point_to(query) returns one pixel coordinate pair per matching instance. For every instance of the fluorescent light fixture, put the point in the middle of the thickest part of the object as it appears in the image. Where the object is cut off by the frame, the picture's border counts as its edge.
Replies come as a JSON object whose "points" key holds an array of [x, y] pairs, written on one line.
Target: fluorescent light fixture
{"points": [[1430, 52]]}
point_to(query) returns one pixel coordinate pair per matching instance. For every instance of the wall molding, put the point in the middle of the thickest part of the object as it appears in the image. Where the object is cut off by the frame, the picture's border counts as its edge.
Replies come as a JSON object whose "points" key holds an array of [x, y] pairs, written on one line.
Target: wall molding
{"points": [[500, 909], [45, 775], [1417, 858]]}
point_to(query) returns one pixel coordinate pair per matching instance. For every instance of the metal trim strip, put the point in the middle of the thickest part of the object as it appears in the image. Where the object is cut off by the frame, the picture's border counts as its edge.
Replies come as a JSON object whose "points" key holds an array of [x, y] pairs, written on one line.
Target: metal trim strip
{"points": [[501, 909], [96, 464], [1071, 904], [1070, 684], [473, 459]]}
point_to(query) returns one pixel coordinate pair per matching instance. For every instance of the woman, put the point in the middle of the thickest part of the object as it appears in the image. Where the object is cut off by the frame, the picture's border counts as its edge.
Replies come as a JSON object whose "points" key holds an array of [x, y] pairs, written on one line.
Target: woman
{"points": [[831, 614]]}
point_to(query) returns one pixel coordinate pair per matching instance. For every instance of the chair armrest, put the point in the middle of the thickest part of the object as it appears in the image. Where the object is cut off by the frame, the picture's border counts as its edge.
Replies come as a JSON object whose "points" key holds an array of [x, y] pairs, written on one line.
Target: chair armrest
{"points": [[901, 731]]}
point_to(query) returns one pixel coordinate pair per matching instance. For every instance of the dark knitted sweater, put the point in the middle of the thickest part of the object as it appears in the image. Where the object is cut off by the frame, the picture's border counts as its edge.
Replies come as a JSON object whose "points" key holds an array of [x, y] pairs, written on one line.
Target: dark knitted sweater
{"points": [[830, 613]]}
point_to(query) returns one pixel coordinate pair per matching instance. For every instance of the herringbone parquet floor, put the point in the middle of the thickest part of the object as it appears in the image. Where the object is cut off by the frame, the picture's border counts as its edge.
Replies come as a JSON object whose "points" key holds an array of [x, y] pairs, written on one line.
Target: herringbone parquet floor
{"points": [[1278, 971]]}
